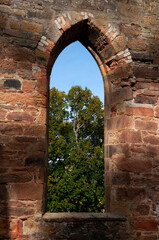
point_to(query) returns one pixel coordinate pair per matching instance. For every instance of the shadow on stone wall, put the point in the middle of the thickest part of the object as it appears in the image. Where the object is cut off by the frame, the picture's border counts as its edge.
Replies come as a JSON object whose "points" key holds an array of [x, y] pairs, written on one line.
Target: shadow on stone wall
{"points": [[4, 218], [81, 226]]}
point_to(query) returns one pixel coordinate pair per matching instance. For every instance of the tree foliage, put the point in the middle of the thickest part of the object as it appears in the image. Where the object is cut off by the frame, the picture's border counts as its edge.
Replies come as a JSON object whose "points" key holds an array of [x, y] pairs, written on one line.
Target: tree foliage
{"points": [[76, 152]]}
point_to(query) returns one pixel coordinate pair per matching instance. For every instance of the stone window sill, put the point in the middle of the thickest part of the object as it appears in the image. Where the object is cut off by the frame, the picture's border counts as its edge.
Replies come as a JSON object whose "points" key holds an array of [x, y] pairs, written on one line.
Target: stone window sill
{"points": [[73, 216]]}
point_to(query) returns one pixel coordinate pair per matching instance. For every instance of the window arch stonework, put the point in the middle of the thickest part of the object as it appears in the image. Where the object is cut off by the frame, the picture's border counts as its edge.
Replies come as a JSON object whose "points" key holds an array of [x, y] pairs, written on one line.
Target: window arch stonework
{"points": [[109, 48]]}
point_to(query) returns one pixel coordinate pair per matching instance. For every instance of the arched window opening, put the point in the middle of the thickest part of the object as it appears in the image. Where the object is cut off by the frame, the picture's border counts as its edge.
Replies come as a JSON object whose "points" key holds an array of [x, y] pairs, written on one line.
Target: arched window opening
{"points": [[76, 133]]}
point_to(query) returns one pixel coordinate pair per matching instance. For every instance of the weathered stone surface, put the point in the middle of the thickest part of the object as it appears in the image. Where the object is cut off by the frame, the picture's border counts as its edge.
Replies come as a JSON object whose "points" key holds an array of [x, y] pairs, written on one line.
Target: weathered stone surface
{"points": [[12, 83], [108, 52], [152, 237], [121, 94], [145, 99], [139, 111], [130, 30], [133, 165], [146, 125], [20, 211], [20, 116], [5, 2], [120, 178], [3, 20], [147, 225], [4, 227], [19, 176], [116, 149], [154, 140], [26, 191], [149, 20], [20, 54], [119, 44], [30, 226], [137, 44], [131, 194], [119, 123], [130, 136], [128, 11], [37, 159], [141, 209], [27, 85], [143, 71], [157, 111], [3, 192], [122, 72], [31, 27], [15, 25], [124, 37], [2, 114]]}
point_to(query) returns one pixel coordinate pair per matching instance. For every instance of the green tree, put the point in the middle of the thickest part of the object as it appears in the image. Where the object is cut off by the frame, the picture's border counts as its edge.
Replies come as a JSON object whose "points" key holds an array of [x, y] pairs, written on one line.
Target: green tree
{"points": [[76, 151]]}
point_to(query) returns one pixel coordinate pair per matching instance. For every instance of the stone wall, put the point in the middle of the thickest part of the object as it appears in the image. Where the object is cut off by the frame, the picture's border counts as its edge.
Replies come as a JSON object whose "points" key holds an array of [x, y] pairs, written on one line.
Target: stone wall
{"points": [[123, 37]]}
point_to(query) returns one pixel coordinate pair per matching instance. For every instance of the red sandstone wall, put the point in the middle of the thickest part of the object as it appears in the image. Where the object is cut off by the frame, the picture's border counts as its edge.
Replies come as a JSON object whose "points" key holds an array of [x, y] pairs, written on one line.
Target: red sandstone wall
{"points": [[123, 37]]}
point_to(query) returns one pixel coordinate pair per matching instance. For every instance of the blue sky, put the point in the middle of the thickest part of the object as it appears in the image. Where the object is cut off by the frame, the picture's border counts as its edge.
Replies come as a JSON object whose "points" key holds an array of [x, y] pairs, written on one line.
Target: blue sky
{"points": [[76, 66]]}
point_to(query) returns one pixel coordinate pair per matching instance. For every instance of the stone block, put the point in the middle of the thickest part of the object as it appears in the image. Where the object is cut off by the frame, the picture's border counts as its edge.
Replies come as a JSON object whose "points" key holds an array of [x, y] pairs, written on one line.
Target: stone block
{"points": [[133, 165], [20, 116], [13, 177], [42, 116], [128, 11], [146, 225], [153, 151], [30, 226], [2, 114], [152, 139], [35, 129], [8, 65], [141, 98], [146, 125], [3, 192], [107, 52], [3, 20], [14, 24], [19, 12], [42, 82], [120, 122], [12, 83], [119, 43], [127, 136], [20, 211], [143, 84], [11, 129], [148, 20], [120, 95], [130, 194], [33, 27], [35, 159], [142, 209], [139, 111], [120, 178], [16, 226], [20, 99], [26, 191], [130, 30], [142, 56], [112, 150], [146, 72], [122, 72], [4, 228], [137, 44], [20, 54], [156, 112], [5, 2]]}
